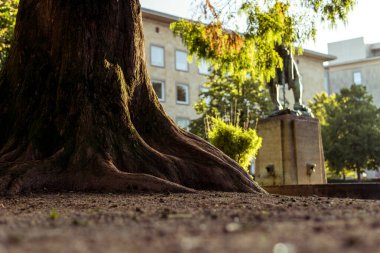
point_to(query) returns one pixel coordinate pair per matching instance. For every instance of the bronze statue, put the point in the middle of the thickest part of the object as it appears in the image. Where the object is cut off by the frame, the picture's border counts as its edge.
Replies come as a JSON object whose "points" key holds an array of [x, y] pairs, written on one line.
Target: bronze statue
{"points": [[290, 75]]}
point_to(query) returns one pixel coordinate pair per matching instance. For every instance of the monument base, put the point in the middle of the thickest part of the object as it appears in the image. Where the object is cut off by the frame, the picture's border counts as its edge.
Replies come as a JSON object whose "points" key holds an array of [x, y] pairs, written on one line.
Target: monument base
{"points": [[291, 153]]}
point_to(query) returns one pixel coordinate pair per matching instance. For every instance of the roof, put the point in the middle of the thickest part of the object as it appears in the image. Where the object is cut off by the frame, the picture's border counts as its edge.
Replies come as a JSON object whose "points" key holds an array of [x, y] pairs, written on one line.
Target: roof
{"points": [[167, 18], [159, 16], [375, 46], [365, 60], [318, 55]]}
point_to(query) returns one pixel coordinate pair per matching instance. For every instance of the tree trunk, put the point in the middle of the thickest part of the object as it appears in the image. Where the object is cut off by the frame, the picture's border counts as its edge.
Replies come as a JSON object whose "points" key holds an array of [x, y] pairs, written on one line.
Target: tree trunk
{"points": [[358, 174], [78, 112]]}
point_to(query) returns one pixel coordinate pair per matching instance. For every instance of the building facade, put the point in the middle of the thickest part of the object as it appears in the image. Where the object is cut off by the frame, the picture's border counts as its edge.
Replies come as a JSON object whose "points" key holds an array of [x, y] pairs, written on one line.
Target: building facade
{"points": [[357, 63], [311, 68], [178, 82]]}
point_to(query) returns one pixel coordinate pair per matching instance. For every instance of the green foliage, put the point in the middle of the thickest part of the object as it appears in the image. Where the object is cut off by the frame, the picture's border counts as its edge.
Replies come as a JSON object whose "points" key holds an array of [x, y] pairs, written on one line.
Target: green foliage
{"points": [[350, 130], [322, 106], [241, 56], [344, 174], [8, 12], [263, 25], [239, 144], [227, 97], [246, 58]]}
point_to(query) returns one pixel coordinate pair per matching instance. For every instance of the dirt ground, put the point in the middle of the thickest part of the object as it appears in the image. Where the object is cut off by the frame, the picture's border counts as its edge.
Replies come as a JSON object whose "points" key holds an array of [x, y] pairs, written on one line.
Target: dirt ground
{"points": [[202, 222]]}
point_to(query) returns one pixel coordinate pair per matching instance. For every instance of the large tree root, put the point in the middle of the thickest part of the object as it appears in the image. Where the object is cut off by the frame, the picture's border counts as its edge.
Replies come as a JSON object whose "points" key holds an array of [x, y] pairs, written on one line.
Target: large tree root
{"points": [[181, 163], [100, 174], [39, 178]]}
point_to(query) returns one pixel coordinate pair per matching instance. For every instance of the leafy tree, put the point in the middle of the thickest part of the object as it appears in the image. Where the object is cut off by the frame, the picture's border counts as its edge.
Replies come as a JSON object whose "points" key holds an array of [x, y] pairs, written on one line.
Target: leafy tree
{"points": [[78, 110], [240, 37], [227, 97], [8, 12], [350, 129]]}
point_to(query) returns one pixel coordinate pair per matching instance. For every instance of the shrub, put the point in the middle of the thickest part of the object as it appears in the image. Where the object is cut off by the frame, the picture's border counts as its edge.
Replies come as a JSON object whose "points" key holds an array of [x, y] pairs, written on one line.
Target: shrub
{"points": [[239, 144]]}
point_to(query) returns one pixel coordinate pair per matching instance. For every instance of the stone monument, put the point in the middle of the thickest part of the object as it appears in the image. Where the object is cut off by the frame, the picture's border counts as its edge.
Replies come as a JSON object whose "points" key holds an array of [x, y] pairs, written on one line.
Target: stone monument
{"points": [[292, 151]]}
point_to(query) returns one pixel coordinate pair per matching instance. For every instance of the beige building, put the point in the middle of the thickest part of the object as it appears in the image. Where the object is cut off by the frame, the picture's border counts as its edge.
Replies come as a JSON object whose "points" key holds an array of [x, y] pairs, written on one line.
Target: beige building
{"points": [[357, 63], [178, 82], [310, 65]]}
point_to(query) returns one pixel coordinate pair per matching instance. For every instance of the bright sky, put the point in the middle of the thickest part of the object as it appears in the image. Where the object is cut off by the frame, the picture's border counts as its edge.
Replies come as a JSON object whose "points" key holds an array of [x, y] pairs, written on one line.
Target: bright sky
{"points": [[364, 21]]}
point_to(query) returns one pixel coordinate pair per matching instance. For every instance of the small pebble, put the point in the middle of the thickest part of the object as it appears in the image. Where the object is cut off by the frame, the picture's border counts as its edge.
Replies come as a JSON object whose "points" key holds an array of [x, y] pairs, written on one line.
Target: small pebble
{"points": [[232, 227]]}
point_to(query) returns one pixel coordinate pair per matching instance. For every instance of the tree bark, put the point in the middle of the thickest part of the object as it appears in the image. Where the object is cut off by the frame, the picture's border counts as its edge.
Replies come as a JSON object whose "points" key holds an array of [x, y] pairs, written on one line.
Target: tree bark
{"points": [[358, 173], [78, 112]]}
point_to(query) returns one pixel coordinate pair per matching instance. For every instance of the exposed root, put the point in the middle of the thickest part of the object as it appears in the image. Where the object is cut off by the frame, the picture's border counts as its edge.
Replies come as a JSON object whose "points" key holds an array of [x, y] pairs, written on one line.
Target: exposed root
{"points": [[130, 182], [4, 182], [93, 171], [109, 180], [198, 164]]}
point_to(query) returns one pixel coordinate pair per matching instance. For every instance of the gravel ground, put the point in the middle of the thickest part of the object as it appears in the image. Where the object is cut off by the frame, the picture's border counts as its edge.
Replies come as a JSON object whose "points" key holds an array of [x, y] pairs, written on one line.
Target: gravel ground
{"points": [[202, 222]]}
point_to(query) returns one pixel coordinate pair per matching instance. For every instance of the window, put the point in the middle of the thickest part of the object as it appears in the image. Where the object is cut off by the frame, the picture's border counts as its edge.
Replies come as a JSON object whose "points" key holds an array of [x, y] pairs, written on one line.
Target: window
{"points": [[183, 123], [181, 61], [204, 68], [326, 82], [182, 94], [206, 98], [357, 78], [159, 88], [157, 56]]}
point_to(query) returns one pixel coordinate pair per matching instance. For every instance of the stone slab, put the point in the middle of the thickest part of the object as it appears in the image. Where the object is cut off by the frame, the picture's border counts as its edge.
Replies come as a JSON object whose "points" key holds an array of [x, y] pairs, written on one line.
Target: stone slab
{"points": [[271, 151], [309, 150], [290, 143]]}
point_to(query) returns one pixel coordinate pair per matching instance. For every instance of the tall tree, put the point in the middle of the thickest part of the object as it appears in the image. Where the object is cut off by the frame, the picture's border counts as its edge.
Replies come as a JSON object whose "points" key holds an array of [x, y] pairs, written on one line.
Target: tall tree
{"points": [[241, 36], [240, 102], [350, 130], [78, 112]]}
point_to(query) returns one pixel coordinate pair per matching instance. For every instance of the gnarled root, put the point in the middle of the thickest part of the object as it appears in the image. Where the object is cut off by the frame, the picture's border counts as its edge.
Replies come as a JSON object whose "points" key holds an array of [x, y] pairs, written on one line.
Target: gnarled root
{"points": [[27, 179]]}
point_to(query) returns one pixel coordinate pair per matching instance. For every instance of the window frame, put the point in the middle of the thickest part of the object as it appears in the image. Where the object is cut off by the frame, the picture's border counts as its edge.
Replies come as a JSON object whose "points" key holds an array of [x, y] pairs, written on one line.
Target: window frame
{"points": [[163, 99], [353, 77], [175, 60], [187, 102], [208, 71], [150, 55]]}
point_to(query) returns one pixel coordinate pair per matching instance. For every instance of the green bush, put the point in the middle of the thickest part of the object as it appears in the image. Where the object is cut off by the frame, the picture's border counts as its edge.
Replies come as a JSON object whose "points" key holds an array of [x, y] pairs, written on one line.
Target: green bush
{"points": [[239, 144]]}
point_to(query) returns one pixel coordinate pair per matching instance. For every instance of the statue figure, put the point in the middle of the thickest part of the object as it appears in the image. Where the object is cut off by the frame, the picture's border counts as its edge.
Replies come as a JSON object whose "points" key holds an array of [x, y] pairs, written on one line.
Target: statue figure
{"points": [[290, 75]]}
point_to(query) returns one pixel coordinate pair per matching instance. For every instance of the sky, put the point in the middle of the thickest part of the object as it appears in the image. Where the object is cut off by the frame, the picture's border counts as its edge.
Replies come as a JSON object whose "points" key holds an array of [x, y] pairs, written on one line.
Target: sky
{"points": [[363, 21]]}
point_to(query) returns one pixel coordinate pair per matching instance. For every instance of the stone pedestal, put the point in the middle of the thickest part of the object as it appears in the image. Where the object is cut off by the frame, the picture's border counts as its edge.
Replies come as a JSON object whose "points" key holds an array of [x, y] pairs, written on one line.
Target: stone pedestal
{"points": [[291, 153]]}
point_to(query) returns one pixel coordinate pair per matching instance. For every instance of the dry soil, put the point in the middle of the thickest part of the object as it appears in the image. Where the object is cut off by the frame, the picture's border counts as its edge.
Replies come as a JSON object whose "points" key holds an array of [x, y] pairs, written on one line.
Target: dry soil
{"points": [[202, 222]]}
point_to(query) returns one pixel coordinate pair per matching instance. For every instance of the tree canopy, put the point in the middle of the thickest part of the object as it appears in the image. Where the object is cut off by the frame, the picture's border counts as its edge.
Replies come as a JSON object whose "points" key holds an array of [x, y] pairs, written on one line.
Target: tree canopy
{"points": [[350, 129], [227, 97], [240, 37]]}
